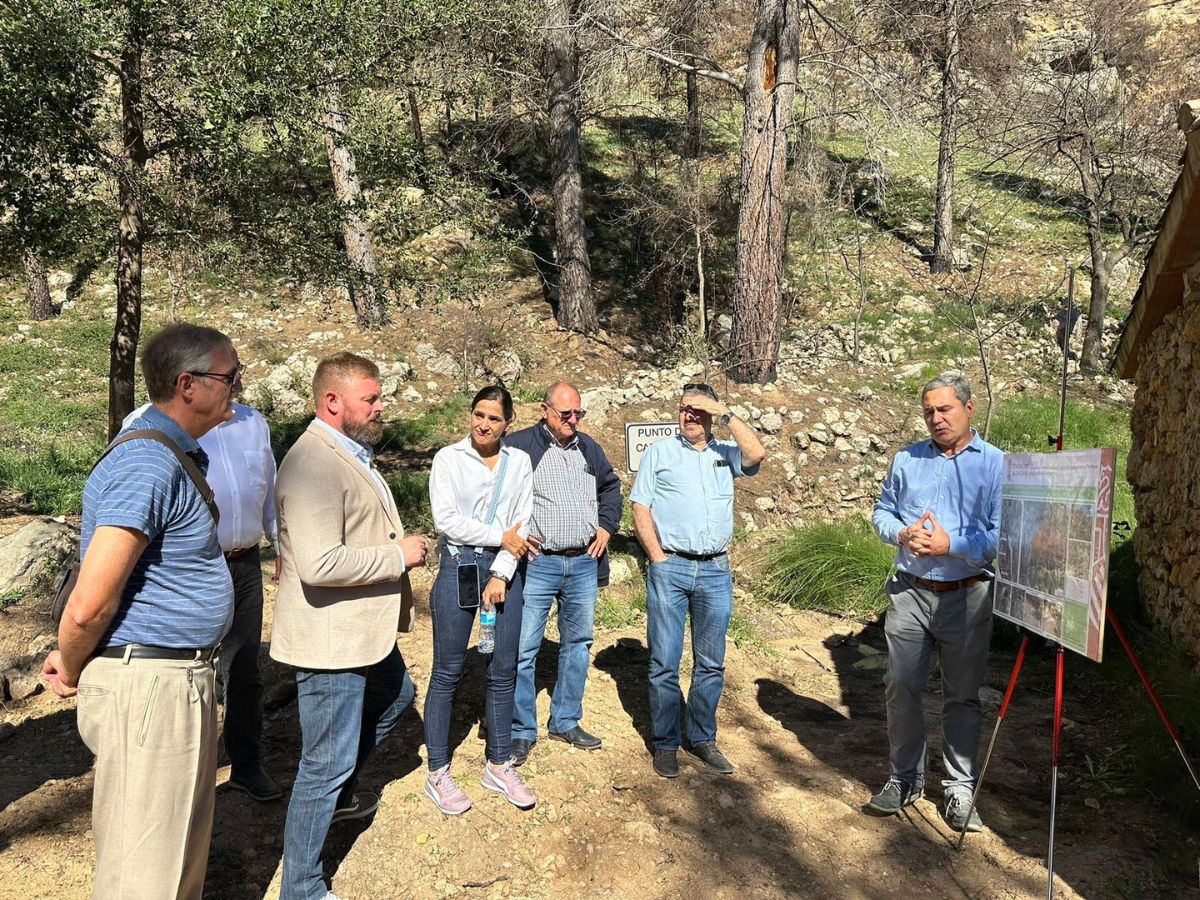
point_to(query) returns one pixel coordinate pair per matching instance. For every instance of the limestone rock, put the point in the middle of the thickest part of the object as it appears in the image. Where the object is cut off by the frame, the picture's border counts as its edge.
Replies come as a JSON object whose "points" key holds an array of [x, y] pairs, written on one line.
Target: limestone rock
{"points": [[35, 552]]}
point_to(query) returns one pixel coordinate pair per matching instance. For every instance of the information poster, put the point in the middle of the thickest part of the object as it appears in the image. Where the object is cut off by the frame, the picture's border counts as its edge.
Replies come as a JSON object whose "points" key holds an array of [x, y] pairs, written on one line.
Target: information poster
{"points": [[1052, 560]]}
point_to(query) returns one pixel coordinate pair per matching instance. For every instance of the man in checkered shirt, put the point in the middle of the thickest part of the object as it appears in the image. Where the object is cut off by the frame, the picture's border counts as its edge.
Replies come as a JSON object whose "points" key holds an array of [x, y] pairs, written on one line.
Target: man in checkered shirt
{"points": [[576, 509]]}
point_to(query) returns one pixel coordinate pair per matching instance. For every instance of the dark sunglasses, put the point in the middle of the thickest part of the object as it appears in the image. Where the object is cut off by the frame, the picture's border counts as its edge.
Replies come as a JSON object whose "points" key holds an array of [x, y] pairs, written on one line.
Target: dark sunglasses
{"points": [[230, 378], [567, 414], [699, 387]]}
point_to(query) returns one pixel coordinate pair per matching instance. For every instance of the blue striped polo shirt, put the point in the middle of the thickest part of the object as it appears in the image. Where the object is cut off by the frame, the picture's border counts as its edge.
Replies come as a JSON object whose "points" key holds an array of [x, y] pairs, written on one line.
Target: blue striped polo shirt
{"points": [[179, 593]]}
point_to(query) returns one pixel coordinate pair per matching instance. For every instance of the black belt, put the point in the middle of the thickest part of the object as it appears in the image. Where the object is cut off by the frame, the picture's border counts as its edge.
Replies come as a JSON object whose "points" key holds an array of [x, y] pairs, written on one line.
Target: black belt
{"points": [[141, 651], [237, 554], [696, 557], [944, 587], [574, 551]]}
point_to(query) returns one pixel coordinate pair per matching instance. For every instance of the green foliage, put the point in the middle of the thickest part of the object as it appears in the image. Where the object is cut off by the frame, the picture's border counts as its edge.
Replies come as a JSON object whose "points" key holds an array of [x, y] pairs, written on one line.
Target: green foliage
{"points": [[618, 609], [1024, 423], [433, 428], [52, 480], [837, 568], [411, 492]]}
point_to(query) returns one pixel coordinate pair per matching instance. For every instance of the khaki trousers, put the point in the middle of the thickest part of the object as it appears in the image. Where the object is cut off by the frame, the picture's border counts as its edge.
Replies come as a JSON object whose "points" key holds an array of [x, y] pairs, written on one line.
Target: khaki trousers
{"points": [[152, 726]]}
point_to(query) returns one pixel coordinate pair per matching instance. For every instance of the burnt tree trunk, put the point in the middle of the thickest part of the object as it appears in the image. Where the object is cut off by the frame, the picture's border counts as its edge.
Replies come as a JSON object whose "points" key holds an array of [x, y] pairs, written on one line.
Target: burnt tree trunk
{"points": [[365, 294], [1098, 304], [130, 235], [943, 219], [769, 93], [37, 288], [690, 26], [576, 305]]}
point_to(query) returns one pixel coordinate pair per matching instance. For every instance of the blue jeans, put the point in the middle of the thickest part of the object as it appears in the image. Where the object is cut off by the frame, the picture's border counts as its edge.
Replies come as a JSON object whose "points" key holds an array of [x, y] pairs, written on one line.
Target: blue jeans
{"points": [[572, 580], [344, 716], [451, 634], [675, 587]]}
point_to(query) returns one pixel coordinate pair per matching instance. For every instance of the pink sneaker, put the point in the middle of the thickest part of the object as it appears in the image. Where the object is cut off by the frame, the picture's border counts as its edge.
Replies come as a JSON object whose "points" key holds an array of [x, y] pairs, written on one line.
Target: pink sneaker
{"points": [[445, 793], [505, 780]]}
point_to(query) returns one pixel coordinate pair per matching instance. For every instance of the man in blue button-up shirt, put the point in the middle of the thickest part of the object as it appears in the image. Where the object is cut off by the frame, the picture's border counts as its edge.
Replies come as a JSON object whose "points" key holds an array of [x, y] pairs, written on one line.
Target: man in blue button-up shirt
{"points": [[683, 516], [940, 506]]}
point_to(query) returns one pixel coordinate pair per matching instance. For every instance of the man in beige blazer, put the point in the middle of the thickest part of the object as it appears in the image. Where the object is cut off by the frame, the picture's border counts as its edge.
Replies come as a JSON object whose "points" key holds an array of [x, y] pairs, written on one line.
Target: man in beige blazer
{"points": [[343, 594]]}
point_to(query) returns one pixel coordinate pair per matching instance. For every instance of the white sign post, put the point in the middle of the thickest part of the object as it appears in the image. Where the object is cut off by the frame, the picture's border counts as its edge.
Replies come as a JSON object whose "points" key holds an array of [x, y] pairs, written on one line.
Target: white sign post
{"points": [[640, 435]]}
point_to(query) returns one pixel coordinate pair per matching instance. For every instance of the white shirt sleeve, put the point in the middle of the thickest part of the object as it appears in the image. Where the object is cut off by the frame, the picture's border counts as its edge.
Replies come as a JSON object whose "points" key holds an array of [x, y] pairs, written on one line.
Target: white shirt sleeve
{"points": [[450, 490], [520, 510]]}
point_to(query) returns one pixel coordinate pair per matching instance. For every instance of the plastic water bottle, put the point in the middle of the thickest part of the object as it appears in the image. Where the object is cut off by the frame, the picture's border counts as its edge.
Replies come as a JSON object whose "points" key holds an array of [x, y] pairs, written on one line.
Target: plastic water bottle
{"points": [[487, 630]]}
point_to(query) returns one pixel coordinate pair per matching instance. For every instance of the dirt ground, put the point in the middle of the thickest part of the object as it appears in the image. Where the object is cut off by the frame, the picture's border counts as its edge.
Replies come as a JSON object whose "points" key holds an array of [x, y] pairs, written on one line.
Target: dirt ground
{"points": [[803, 722]]}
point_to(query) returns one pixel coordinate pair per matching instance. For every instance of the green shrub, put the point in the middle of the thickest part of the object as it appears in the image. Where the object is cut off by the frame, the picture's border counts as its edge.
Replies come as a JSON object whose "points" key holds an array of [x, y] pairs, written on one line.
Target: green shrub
{"points": [[52, 479], [411, 491], [838, 568]]}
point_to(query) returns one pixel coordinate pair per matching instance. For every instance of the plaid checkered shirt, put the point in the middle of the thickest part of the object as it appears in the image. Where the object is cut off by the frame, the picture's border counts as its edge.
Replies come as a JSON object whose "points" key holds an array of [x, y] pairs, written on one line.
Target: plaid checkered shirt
{"points": [[565, 516]]}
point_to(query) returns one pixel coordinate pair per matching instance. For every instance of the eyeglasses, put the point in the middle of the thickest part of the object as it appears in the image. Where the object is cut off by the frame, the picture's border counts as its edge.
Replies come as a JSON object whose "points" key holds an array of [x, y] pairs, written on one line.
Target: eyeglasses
{"points": [[699, 387], [230, 378], [567, 414]]}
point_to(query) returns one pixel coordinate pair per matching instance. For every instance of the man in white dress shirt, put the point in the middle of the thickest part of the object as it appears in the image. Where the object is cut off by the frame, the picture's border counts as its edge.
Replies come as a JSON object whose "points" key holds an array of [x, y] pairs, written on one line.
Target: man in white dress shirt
{"points": [[241, 472]]}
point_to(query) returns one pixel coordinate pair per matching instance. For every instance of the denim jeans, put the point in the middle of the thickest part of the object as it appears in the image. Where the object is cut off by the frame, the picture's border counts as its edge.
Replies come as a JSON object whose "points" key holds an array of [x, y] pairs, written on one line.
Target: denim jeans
{"points": [[676, 587], [959, 624], [572, 581], [344, 716], [451, 634], [242, 683]]}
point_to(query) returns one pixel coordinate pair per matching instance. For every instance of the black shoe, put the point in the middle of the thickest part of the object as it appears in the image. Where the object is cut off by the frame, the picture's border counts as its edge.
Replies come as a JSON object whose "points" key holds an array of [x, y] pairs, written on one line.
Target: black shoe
{"points": [[519, 749], [955, 814], [894, 796], [707, 753], [361, 805], [257, 783], [577, 737], [665, 762]]}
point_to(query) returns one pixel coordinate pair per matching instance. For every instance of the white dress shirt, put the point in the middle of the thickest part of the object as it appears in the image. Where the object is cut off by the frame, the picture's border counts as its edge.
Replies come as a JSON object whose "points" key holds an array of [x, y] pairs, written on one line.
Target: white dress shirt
{"points": [[241, 473], [460, 492]]}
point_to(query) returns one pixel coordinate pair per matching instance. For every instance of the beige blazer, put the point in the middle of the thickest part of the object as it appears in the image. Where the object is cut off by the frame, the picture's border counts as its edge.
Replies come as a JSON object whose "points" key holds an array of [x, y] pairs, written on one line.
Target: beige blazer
{"points": [[342, 591]]}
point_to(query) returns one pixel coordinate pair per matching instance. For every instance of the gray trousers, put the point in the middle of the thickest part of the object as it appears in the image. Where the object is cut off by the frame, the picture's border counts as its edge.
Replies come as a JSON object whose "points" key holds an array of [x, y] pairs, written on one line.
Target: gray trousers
{"points": [[239, 664], [959, 624]]}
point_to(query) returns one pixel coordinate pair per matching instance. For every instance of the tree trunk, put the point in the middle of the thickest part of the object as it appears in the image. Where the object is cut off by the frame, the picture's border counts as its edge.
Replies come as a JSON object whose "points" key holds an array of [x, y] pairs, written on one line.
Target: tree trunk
{"points": [[360, 252], [1098, 304], [130, 234], [37, 288], [943, 221], [769, 94], [576, 306], [690, 26]]}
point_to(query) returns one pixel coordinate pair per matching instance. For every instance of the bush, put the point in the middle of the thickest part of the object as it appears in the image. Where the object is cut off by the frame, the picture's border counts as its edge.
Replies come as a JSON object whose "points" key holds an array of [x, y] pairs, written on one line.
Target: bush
{"points": [[838, 568], [51, 480]]}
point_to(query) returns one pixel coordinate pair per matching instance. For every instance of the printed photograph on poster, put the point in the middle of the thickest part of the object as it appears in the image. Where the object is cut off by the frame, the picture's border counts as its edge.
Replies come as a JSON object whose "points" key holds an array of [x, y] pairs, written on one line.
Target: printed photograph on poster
{"points": [[1052, 554]]}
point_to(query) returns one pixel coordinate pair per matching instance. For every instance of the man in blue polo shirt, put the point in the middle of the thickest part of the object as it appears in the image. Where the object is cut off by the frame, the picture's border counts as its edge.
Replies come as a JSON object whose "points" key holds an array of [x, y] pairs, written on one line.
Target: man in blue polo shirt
{"points": [[683, 515], [139, 632], [940, 508]]}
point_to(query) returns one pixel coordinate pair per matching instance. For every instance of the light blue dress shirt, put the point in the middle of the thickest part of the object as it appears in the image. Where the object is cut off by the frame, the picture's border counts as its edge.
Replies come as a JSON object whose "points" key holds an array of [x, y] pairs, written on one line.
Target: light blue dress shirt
{"points": [[690, 493], [963, 493]]}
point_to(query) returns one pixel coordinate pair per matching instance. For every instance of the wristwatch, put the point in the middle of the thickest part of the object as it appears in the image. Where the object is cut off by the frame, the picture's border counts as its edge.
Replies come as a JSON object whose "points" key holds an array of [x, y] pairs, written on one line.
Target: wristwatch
{"points": [[724, 420]]}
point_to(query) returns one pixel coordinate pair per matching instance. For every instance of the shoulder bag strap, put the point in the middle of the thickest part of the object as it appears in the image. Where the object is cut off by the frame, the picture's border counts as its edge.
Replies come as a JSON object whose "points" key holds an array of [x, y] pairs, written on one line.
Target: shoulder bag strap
{"points": [[189, 465]]}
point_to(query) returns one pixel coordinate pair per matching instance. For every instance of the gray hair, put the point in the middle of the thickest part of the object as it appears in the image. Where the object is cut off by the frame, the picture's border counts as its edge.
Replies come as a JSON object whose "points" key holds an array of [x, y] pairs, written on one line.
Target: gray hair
{"points": [[182, 347], [554, 387], [953, 380]]}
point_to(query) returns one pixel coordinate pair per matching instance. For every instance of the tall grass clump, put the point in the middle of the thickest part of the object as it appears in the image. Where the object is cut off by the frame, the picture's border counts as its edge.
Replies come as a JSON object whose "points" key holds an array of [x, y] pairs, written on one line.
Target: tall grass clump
{"points": [[838, 568], [51, 480]]}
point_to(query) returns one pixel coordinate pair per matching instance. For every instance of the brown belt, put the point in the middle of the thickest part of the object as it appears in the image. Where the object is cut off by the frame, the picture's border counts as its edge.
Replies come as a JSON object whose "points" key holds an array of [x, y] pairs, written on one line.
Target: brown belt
{"points": [[943, 587]]}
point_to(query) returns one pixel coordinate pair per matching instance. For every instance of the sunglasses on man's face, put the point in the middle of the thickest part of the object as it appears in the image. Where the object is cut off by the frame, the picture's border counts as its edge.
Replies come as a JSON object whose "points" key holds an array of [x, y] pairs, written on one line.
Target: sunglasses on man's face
{"points": [[230, 378], [566, 415]]}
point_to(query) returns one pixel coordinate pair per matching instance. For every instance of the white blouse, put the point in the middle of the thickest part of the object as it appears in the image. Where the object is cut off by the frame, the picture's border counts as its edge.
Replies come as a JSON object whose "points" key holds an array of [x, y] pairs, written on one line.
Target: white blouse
{"points": [[460, 492]]}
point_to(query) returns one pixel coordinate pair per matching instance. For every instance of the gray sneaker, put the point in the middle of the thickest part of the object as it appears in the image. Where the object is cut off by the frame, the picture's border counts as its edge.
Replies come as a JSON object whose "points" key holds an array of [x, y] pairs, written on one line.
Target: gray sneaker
{"points": [[894, 796], [955, 814]]}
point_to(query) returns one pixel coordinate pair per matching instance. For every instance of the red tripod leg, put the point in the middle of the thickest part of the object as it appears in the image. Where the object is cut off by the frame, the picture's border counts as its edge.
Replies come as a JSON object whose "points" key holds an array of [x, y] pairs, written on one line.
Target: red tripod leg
{"points": [[1012, 683], [1058, 694]]}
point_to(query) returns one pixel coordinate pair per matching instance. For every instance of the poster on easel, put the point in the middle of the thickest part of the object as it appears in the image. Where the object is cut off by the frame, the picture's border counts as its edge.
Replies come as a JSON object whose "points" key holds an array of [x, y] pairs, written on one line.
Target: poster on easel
{"points": [[1052, 557]]}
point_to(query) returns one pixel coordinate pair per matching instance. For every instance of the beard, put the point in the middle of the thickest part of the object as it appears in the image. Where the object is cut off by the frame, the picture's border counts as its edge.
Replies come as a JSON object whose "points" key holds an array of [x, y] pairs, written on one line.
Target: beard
{"points": [[367, 432]]}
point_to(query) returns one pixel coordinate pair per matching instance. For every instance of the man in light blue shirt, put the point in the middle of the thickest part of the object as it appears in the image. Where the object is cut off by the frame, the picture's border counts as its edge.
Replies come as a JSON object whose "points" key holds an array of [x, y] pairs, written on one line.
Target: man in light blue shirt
{"points": [[683, 516], [940, 506]]}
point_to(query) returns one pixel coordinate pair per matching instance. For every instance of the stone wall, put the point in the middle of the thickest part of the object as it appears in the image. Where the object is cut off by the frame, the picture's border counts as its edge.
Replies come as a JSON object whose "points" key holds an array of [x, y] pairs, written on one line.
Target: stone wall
{"points": [[1164, 469]]}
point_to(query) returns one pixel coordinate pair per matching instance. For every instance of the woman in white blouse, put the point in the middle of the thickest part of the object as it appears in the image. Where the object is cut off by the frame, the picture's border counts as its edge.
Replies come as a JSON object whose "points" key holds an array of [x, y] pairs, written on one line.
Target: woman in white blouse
{"points": [[481, 492]]}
